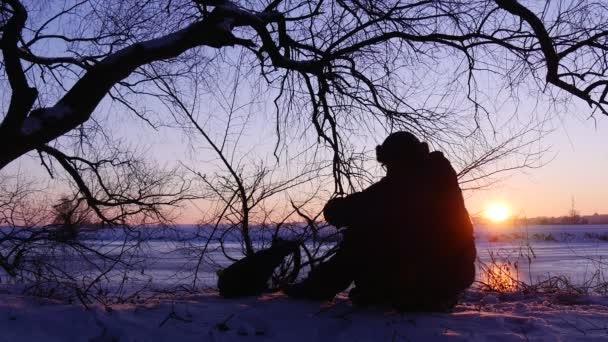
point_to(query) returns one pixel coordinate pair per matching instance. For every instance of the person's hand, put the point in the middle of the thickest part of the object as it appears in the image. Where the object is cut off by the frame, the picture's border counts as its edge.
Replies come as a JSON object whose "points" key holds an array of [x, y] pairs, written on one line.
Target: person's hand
{"points": [[331, 210]]}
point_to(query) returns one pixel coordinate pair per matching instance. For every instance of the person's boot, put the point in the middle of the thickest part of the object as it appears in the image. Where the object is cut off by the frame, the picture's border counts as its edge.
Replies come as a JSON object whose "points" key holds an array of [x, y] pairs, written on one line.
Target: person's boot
{"points": [[309, 289], [322, 283], [358, 298]]}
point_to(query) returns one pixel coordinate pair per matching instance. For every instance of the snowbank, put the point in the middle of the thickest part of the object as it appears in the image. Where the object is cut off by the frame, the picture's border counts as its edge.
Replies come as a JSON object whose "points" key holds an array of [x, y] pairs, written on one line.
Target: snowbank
{"points": [[206, 317]]}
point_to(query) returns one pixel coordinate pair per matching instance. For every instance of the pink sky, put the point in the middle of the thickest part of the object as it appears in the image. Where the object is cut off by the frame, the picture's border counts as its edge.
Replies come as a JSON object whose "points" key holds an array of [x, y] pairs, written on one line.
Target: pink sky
{"points": [[578, 170]]}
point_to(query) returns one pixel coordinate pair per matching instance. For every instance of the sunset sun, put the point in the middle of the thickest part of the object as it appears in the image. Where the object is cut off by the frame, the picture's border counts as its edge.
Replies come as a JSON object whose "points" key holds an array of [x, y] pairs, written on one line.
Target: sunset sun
{"points": [[497, 212]]}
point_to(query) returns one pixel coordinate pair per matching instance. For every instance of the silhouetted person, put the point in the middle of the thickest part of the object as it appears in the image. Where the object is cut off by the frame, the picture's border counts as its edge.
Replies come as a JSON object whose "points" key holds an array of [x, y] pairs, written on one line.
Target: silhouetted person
{"points": [[408, 240]]}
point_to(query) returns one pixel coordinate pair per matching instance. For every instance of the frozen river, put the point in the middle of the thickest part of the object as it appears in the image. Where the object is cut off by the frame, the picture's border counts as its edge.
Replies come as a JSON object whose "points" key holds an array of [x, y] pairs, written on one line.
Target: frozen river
{"points": [[577, 252], [172, 258]]}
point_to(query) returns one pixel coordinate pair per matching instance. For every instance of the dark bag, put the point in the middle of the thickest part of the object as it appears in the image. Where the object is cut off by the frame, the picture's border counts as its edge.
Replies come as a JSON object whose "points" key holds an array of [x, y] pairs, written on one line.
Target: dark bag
{"points": [[249, 276]]}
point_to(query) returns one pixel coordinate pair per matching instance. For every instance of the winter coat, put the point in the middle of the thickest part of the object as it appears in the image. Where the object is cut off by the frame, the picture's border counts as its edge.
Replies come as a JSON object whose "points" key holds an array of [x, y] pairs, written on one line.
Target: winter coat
{"points": [[409, 233]]}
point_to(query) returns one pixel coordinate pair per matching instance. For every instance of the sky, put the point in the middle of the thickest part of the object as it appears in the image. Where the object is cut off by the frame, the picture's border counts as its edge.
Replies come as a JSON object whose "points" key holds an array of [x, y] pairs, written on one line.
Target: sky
{"points": [[574, 170], [578, 160]]}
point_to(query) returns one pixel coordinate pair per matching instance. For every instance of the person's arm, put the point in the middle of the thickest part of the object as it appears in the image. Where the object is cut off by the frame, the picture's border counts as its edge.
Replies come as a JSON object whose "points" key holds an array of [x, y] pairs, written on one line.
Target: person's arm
{"points": [[336, 211], [345, 211]]}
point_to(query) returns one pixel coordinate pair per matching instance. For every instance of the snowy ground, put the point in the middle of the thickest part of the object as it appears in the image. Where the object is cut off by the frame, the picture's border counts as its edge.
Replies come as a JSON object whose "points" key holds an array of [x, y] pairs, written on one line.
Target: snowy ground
{"points": [[577, 253], [207, 317]]}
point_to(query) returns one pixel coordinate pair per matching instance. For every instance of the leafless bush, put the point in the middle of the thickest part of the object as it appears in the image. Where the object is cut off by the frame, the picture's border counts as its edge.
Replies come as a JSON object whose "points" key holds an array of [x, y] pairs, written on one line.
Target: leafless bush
{"points": [[76, 249]]}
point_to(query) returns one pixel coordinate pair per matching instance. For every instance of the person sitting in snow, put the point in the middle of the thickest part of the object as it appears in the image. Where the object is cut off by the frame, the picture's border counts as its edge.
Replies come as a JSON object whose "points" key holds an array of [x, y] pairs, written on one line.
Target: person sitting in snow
{"points": [[408, 240]]}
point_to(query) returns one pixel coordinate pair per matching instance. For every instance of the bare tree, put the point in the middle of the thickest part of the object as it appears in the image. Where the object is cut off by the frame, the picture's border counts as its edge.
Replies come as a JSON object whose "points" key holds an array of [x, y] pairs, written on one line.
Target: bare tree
{"points": [[336, 61], [70, 215], [121, 187], [80, 249]]}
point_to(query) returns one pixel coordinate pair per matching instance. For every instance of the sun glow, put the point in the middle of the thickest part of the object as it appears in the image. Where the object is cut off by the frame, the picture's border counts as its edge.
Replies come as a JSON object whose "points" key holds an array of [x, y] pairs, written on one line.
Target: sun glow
{"points": [[497, 212]]}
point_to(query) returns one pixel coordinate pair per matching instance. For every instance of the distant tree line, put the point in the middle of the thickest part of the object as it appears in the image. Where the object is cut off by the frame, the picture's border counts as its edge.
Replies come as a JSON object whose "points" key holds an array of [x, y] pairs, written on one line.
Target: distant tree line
{"points": [[569, 219]]}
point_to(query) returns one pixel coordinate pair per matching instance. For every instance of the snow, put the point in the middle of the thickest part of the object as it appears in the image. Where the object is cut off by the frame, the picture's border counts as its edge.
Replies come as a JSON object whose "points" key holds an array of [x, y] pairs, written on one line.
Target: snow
{"points": [[542, 233], [204, 316], [31, 125], [226, 24], [163, 42], [274, 317], [228, 5], [117, 56], [39, 117], [57, 112]]}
